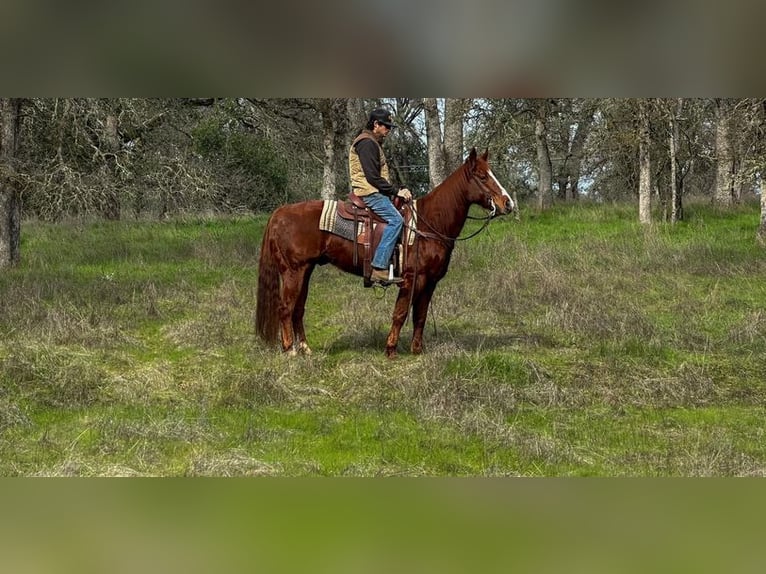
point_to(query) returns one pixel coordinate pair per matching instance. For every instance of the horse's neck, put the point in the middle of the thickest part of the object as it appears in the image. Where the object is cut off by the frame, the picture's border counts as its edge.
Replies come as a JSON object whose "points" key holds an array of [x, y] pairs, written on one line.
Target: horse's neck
{"points": [[446, 207]]}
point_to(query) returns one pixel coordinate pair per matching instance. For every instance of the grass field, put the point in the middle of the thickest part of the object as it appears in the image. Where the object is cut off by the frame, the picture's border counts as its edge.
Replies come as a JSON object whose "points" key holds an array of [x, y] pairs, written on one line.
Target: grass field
{"points": [[570, 342]]}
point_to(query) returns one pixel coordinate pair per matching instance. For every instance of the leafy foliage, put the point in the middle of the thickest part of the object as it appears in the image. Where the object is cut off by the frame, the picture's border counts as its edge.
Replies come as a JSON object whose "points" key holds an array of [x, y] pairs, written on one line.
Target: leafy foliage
{"points": [[232, 154], [255, 175]]}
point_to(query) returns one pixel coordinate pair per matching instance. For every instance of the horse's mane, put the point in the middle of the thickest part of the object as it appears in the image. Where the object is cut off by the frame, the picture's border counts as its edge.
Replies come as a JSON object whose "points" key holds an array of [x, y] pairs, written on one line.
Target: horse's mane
{"points": [[446, 205]]}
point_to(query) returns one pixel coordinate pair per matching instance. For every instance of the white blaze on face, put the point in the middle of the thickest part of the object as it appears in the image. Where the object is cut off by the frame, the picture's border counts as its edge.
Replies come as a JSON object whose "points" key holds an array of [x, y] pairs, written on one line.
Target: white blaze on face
{"points": [[502, 189]]}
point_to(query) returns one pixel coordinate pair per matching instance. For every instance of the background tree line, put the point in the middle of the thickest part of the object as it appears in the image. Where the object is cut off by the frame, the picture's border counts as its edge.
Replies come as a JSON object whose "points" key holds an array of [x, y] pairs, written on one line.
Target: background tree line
{"points": [[127, 157]]}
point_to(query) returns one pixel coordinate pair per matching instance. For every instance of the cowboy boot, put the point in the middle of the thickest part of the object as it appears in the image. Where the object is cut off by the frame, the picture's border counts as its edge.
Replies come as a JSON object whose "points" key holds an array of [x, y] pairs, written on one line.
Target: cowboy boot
{"points": [[381, 276]]}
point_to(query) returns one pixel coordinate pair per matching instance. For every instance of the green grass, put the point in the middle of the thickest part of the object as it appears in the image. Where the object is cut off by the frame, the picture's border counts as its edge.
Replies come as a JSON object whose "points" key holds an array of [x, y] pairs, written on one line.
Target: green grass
{"points": [[569, 342]]}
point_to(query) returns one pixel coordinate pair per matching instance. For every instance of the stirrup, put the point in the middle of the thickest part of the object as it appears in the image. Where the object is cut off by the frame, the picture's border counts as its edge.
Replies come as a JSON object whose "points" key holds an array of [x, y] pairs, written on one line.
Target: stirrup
{"points": [[382, 276]]}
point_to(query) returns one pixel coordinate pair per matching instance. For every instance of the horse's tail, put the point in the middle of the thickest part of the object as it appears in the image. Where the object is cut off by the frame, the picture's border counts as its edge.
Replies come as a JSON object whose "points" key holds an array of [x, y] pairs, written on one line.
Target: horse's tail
{"points": [[267, 310]]}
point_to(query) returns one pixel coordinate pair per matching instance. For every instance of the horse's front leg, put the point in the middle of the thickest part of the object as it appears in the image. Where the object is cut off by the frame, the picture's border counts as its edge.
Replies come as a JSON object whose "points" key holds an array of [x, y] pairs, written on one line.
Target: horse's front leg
{"points": [[419, 314], [400, 316]]}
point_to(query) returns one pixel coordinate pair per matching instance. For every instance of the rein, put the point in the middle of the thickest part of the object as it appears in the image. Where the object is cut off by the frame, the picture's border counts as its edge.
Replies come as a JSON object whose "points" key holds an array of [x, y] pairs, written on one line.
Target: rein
{"points": [[434, 234], [449, 240]]}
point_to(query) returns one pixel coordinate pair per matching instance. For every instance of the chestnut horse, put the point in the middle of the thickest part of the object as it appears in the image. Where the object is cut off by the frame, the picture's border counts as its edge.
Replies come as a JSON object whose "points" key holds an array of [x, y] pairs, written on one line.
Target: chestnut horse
{"points": [[293, 245]]}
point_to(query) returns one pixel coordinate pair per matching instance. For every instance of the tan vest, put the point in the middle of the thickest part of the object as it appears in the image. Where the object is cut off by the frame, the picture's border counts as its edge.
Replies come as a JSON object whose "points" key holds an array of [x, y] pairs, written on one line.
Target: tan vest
{"points": [[359, 184]]}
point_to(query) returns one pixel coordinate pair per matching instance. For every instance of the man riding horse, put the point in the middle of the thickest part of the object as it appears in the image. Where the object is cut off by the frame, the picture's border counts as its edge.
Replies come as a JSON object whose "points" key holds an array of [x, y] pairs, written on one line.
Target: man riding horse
{"points": [[370, 181]]}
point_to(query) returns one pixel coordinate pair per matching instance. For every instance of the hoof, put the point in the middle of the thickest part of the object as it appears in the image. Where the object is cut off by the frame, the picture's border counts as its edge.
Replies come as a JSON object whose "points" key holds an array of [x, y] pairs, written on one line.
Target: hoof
{"points": [[391, 353], [304, 348], [292, 352]]}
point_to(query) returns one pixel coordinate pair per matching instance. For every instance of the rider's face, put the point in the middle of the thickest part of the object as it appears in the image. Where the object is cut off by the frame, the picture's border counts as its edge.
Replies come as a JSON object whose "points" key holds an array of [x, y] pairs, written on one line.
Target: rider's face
{"points": [[381, 130]]}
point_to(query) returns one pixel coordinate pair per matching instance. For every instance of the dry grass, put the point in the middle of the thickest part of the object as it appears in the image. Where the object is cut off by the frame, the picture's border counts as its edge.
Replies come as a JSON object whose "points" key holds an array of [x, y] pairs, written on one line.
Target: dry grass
{"points": [[569, 343], [232, 463]]}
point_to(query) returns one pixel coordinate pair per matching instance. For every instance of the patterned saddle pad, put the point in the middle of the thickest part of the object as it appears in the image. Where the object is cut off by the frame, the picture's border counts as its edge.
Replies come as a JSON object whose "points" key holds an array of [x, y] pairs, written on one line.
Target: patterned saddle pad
{"points": [[332, 222]]}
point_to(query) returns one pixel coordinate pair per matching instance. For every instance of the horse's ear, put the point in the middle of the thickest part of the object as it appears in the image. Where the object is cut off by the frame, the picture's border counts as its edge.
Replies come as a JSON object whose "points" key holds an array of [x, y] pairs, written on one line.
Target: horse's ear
{"points": [[472, 156], [485, 155]]}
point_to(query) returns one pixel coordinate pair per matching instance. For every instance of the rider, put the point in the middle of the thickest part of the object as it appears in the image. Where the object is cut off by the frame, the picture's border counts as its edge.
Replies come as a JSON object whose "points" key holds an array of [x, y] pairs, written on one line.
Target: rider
{"points": [[370, 181]]}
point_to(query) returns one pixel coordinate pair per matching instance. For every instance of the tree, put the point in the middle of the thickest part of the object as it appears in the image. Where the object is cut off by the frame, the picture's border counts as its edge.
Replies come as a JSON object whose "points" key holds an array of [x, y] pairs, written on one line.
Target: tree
{"points": [[570, 122], [357, 114], [81, 155], [455, 110], [644, 164], [752, 116], [10, 204], [445, 149], [758, 121], [96, 156], [544, 166], [336, 126], [110, 151], [405, 148], [676, 201], [760, 235], [672, 110], [506, 127], [437, 171], [724, 170]]}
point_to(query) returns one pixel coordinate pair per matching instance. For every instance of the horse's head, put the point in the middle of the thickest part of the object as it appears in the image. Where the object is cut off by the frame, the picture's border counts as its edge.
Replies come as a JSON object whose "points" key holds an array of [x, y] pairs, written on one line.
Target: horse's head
{"points": [[484, 187]]}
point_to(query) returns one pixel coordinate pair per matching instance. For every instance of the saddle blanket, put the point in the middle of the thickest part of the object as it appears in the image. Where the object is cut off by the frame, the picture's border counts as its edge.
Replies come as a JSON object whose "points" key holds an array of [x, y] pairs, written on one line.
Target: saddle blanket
{"points": [[333, 223]]}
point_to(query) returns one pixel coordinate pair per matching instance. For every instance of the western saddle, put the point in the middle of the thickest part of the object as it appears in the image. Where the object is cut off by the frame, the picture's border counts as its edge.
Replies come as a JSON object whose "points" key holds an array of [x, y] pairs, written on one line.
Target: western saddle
{"points": [[372, 229]]}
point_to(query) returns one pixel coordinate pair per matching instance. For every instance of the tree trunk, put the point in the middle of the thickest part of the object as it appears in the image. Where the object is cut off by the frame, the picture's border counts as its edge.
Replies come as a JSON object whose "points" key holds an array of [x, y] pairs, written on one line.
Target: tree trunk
{"points": [[644, 165], [544, 166], [724, 180], [676, 201], [10, 203], [445, 152], [454, 114], [436, 161], [761, 233], [357, 115], [737, 181], [335, 141], [576, 152], [112, 208], [328, 150]]}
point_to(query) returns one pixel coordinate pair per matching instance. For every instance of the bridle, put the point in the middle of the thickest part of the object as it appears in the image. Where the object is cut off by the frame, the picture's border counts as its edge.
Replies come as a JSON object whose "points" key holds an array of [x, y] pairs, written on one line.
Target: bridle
{"points": [[435, 234], [448, 241]]}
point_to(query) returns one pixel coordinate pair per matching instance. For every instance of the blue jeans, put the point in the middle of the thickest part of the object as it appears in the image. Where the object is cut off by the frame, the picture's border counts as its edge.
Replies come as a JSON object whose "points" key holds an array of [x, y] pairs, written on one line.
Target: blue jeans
{"points": [[383, 206]]}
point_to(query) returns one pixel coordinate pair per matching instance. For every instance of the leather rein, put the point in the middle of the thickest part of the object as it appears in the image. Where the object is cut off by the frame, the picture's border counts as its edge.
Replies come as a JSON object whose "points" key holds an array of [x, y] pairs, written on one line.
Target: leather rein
{"points": [[448, 241], [435, 234]]}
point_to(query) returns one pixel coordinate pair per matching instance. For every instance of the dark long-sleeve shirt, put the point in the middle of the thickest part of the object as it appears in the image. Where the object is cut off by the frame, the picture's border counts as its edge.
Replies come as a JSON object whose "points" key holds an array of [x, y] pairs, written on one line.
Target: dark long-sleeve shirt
{"points": [[369, 157]]}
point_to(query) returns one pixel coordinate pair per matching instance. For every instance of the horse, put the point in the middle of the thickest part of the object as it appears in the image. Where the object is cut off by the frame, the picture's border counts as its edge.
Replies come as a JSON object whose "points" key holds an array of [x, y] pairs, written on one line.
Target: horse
{"points": [[293, 245]]}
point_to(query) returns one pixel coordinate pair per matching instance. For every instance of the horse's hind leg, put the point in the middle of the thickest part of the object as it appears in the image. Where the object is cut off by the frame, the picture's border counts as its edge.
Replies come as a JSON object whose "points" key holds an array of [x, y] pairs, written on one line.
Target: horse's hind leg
{"points": [[299, 311], [292, 286]]}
